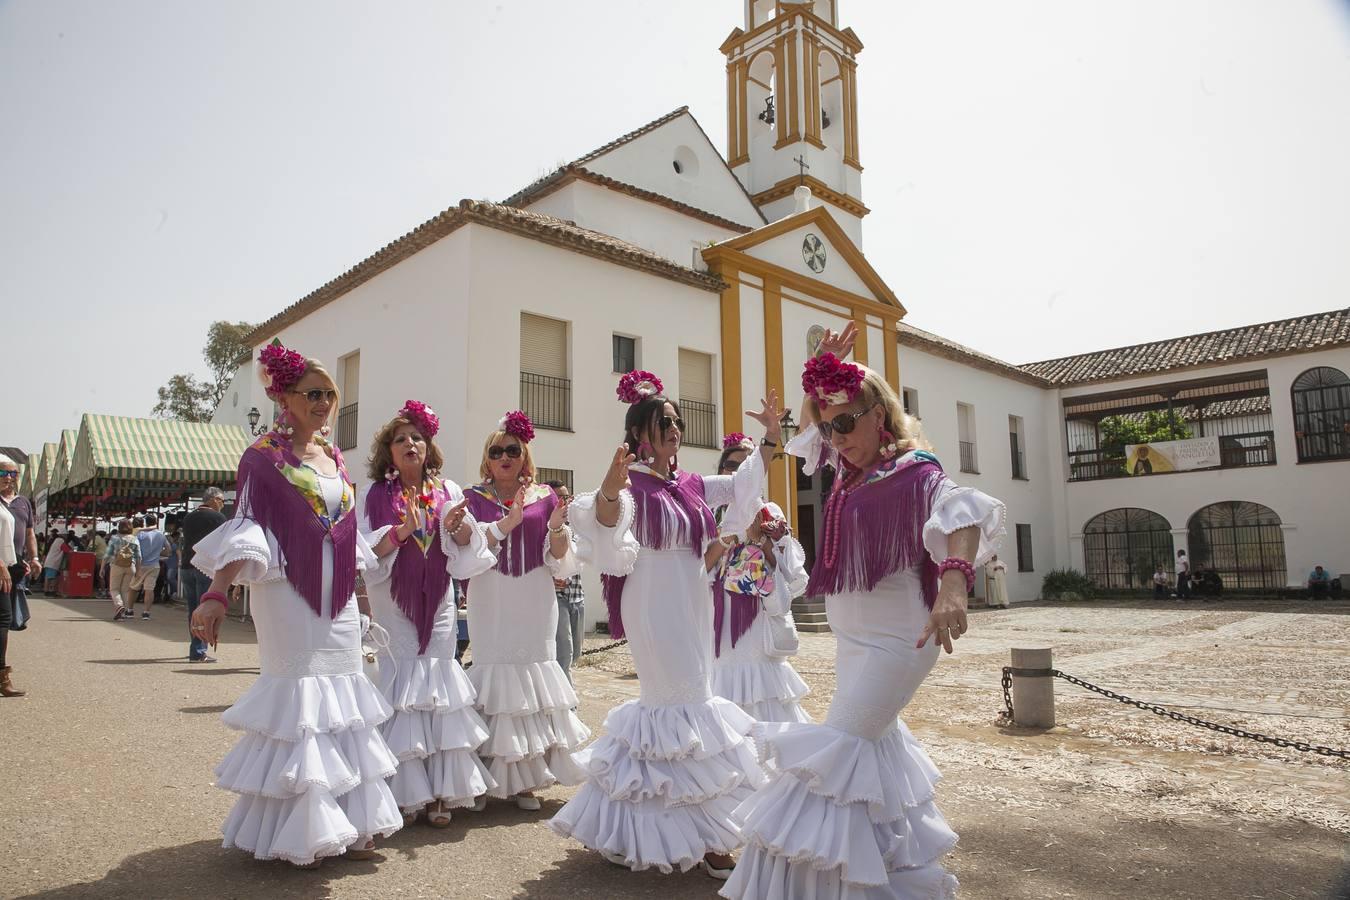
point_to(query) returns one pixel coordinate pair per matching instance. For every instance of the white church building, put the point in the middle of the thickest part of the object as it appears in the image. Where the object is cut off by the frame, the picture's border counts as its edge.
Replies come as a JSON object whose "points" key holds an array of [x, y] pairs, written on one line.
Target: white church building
{"points": [[715, 271]]}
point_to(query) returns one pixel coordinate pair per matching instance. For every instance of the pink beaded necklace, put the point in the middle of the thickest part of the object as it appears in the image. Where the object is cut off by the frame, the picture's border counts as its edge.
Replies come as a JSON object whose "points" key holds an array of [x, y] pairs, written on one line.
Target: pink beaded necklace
{"points": [[842, 488]]}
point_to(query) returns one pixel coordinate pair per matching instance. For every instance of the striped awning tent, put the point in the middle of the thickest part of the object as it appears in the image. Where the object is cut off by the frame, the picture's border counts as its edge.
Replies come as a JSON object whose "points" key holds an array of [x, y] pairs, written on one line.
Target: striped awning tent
{"points": [[123, 464], [29, 477], [42, 481], [61, 468]]}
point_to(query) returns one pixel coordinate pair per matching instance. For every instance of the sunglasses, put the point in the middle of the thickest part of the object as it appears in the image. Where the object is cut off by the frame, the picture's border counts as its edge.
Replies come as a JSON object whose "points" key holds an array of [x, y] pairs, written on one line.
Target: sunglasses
{"points": [[317, 394], [731, 465], [513, 451], [844, 423], [8, 473], [667, 421]]}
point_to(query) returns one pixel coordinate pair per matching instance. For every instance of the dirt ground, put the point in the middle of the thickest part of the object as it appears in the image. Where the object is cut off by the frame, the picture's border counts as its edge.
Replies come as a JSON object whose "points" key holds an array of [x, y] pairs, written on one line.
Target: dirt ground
{"points": [[107, 791]]}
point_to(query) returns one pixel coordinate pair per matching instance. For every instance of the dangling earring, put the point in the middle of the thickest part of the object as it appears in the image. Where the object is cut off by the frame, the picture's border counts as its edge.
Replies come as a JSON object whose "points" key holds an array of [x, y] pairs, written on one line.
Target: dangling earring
{"points": [[326, 430], [283, 425], [646, 453], [391, 474], [888, 445]]}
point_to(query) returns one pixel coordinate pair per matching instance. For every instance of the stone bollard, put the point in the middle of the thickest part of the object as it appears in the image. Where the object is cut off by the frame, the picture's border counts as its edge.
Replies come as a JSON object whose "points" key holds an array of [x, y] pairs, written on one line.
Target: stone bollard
{"points": [[1033, 695]]}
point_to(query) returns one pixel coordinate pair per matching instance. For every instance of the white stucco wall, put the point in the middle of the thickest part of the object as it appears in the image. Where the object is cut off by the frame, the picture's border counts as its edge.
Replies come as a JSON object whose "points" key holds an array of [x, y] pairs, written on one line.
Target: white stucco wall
{"points": [[671, 234], [705, 183], [786, 251]]}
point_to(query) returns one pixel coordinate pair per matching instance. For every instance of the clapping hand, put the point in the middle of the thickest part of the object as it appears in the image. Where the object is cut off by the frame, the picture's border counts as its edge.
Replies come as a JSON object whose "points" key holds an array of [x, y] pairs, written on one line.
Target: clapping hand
{"points": [[454, 517], [516, 512], [559, 516]]}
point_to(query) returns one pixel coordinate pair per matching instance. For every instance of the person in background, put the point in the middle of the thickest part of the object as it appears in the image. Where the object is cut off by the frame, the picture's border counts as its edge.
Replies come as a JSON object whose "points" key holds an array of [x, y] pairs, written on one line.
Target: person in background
{"points": [[121, 561], [571, 606], [1183, 568], [100, 548], [153, 547], [166, 588], [51, 565], [17, 543], [996, 582], [1160, 583], [196, 525], [1319, 582]]}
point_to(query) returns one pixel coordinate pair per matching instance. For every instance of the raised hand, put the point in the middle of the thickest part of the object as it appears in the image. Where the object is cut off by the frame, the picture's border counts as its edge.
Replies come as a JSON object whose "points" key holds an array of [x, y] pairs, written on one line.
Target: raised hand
{"points": [[616, 479], [841, 344], [559, 516], [770, 416]]}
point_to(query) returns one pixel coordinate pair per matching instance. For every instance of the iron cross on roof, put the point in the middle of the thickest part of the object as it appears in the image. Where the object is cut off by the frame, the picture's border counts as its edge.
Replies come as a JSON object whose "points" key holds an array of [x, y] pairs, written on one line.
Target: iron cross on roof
{"points": [[804, 165]]}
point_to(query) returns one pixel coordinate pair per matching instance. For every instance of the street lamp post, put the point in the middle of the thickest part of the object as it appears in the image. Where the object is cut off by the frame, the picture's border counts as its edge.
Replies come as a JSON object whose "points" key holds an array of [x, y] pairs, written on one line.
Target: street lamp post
{"points": [[253, 417]]}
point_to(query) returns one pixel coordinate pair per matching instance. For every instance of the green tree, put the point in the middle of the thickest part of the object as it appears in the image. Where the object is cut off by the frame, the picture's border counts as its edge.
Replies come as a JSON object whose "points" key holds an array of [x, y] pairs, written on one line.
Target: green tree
{"points": [[1156, 425], [190, 399], [186, 399]]}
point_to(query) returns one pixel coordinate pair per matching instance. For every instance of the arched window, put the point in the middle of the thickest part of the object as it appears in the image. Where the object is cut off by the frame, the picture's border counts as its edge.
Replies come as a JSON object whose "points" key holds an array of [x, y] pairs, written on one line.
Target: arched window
{"points": [[1122, 548], [1240, 541], [1322, 414]]}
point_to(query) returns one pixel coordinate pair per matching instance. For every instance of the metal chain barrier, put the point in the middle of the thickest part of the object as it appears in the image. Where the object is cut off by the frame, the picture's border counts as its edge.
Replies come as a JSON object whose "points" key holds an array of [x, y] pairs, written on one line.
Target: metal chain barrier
{"points": [[618, 643], [1007, 714]]}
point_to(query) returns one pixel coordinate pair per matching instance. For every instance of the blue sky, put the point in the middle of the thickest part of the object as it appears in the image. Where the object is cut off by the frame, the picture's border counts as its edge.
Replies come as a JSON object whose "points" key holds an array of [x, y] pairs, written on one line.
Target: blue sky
{"points": [[1045, 178]]}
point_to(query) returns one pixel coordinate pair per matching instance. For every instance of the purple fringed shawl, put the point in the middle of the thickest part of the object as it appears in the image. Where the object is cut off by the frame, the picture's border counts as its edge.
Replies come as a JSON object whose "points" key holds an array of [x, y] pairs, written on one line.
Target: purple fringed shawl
{"points": [[269, 498], [667, 513], [880, 532], [420, 581], [523, 550]]}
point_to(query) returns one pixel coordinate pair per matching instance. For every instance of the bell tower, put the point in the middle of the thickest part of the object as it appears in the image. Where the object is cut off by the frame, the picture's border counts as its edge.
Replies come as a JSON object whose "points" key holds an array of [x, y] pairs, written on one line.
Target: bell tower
{"points": [[792, 108]]}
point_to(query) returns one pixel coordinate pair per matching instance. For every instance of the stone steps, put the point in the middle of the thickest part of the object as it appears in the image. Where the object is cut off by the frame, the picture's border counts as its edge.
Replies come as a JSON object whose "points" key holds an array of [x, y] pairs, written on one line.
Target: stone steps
{"points": [[810, 616]]}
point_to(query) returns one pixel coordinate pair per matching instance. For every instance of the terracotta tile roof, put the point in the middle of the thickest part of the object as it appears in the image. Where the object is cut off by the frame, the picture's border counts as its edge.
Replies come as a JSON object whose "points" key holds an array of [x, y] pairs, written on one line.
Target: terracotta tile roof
{"points": [[565, 175], [1318, 331], [630, 136], [909, 336], [546, 229]]}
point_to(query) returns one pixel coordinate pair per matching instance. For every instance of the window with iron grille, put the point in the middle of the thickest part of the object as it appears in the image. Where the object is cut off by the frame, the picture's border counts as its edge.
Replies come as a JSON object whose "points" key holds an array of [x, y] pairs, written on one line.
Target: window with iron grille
{"points": [[1240, 542], [1019, 457], [1122, 548], [1024, 563], [965, 435], [544, 476], [1322, 414], [545, 389], [696, 399], [625, 353]]}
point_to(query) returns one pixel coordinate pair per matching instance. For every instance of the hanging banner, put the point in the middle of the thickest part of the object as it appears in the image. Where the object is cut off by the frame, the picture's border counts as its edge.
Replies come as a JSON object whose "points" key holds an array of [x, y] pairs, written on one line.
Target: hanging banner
{"points": [[1172, 456]]}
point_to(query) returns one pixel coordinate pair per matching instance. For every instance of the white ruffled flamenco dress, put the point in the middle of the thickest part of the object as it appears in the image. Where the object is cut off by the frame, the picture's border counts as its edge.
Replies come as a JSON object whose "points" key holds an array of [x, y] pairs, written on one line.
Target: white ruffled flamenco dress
{"points": [[311, 765], [767, 687], [663, 781], [851, 813], [434, 732], [523, 695]]}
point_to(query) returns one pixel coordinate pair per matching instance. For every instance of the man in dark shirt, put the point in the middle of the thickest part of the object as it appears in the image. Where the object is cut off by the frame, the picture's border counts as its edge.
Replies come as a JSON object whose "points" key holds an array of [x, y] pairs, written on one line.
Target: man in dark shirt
{"points": [[196, 525]]}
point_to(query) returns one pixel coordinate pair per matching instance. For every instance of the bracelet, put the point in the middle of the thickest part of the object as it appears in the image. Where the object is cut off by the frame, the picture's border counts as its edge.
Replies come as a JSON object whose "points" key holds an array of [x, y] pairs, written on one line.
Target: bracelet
{"points": [[214, 595], [496, 532], [610, 499], [960, 565], [765, 442], [559, 530], [393, 535]]}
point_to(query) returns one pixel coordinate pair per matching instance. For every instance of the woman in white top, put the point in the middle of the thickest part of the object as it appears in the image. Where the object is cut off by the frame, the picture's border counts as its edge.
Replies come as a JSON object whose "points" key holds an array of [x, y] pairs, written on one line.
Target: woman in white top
{"points": [[434, 731], [9, 566], [311, 767], [663, 781]]}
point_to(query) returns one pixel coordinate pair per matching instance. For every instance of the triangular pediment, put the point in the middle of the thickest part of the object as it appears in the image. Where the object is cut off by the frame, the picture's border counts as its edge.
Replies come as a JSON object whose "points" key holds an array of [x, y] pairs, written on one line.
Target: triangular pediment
{"points": [[811, 245]]}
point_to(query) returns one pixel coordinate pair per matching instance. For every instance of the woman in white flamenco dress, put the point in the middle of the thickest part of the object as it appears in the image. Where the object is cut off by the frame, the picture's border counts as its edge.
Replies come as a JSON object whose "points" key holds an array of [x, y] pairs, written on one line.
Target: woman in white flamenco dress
{"points": [[311, 765], [672, 766], [755, 580], [523, 694], [850, 813], [421, 532]]}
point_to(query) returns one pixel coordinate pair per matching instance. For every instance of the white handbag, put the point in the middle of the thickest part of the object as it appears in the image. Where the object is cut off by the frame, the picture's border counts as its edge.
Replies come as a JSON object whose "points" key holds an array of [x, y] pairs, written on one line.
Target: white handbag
{"points": [[780, 635]]}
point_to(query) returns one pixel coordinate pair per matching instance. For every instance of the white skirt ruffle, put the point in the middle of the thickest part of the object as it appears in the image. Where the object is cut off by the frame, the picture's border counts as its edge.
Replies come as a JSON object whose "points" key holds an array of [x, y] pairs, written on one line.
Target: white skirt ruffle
{"points": [[845, 818], [663, 783], [434, 733], [769, 690], [310, 769], [531, 729]]}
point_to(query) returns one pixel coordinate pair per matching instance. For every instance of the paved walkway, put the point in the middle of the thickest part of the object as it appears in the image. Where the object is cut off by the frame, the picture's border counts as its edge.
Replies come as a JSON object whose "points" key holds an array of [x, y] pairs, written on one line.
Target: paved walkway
{"points": [[107, 789]]}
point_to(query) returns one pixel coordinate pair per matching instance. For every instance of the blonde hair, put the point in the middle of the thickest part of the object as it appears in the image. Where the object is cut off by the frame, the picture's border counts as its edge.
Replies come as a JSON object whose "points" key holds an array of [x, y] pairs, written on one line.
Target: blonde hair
{"points": [[312, 367], [382, 457], [876, 391], [526, 457]]}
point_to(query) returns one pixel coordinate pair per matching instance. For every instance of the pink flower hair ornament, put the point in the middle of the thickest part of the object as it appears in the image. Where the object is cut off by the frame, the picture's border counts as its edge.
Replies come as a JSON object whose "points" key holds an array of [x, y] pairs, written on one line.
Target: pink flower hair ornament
{"points": [[518, 425], [738, 440], [421, 415], [637, 386], [831, 381], [284, 367]]}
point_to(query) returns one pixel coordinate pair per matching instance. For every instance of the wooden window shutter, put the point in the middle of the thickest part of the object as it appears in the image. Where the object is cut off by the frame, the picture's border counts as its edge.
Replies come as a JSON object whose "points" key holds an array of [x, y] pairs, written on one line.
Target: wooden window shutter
{"points": [[543, 346], [696, 379]]}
